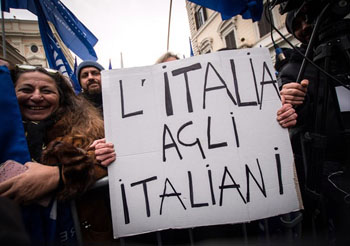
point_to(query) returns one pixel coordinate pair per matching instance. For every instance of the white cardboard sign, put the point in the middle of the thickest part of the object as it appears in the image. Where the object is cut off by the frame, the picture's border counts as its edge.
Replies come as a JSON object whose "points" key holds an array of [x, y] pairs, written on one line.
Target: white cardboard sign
{"points": [[197, 143]]}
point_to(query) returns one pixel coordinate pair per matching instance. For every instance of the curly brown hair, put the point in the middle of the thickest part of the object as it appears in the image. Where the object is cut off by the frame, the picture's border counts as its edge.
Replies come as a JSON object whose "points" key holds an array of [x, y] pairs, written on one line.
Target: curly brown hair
{"points": [[75, 115]]}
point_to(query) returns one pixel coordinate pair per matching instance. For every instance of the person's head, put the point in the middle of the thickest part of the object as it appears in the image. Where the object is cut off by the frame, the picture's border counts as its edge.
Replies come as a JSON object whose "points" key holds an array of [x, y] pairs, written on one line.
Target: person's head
{"points": [[168, 56], [41, 92], [297, 25], [89, 77]]}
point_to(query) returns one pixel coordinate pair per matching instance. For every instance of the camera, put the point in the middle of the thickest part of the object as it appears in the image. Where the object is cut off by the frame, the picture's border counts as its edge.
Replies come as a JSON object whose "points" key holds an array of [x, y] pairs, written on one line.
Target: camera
{"points": [[312, 8]]}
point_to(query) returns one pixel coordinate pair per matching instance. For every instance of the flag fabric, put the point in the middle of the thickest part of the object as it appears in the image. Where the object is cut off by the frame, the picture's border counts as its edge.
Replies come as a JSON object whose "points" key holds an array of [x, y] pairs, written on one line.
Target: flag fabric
{"points": [[75, 65], [72, 32], [18, 4], [13, 143], [74, 78], [191, 50], [110, 64], [51, 225], [54, 54], [249, 9]]}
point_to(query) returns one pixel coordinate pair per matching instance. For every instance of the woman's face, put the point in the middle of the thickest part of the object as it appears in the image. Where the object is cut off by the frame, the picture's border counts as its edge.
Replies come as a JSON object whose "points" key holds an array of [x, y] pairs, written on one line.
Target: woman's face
{"points": [[37, 95]]}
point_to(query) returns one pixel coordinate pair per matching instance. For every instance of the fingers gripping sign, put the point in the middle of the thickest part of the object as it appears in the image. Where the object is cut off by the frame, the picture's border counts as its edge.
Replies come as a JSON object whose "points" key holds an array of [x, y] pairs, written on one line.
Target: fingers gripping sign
{"points": [[104, 151], [294, 93], [286, 116]]}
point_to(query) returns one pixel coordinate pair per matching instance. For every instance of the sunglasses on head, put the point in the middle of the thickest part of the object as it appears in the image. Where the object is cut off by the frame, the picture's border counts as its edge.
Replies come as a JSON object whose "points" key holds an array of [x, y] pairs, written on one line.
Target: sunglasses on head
{"points": [[31, 67]]}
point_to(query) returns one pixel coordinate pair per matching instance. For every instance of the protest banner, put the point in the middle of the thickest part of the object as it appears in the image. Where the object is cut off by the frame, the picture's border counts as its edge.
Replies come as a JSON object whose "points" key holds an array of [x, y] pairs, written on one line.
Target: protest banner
{"points": [[197, 143]]}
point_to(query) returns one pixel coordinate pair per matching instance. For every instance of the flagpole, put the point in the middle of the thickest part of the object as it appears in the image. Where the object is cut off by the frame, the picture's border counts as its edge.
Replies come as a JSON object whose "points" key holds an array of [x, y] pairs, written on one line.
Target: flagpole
{"points": [[121, 60], [3, 34], [171, 3]]}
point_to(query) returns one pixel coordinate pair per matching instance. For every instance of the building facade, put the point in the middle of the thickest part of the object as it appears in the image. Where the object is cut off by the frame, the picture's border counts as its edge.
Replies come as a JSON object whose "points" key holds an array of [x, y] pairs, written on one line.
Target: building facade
{"points": [[23, 36], [210, 33], [11, 53]]}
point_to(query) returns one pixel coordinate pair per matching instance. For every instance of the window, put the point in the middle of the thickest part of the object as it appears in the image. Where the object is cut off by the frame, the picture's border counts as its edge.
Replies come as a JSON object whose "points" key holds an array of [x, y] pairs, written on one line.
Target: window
{"points": [[227, 33], [34, 48], [264, 25], [201, 17], [231, 40], [206, 46]]}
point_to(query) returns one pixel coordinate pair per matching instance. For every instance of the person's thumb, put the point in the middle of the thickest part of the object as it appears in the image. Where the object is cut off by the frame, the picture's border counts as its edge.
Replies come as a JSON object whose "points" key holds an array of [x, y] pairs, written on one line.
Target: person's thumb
{"points": [[305, 83]]}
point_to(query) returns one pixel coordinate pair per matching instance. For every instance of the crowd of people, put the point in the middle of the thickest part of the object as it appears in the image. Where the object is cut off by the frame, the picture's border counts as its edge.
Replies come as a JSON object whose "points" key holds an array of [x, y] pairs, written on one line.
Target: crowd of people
{"points": [[65, 138]]}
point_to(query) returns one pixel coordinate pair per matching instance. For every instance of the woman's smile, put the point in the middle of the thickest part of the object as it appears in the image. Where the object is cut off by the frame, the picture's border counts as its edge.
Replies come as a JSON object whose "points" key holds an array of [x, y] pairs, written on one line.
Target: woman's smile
{"points": [[37, 95]]}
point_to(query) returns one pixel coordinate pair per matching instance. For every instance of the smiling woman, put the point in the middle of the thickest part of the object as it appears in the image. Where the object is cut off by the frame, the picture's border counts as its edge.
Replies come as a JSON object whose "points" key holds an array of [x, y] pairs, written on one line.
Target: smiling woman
{"points": [[57, 121], [65, 134], [37, 95]]}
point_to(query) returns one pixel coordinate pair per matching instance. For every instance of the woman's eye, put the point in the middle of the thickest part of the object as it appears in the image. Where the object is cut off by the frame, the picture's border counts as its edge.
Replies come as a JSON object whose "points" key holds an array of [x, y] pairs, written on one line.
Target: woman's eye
{"points": [[25, 90], [46, 91]]}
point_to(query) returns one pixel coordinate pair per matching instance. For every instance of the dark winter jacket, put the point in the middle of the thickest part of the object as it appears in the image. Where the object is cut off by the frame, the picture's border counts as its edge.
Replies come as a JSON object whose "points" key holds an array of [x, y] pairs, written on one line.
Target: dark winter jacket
{"points": [[314, 116]]}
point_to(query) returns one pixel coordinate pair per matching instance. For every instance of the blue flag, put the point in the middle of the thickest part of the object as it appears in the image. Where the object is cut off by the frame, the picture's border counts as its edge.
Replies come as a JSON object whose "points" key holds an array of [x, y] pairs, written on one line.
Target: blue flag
{"points": [[191, 50], [249, 9], [110, 64], [18, 4], [74, 78], [72, 32], [75, 65], [54, 54], [13, 144]]}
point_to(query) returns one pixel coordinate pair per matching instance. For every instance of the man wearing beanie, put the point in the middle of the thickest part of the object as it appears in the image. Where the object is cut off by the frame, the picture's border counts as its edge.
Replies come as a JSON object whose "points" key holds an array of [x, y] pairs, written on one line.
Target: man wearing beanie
{"points": [[89, 77]]}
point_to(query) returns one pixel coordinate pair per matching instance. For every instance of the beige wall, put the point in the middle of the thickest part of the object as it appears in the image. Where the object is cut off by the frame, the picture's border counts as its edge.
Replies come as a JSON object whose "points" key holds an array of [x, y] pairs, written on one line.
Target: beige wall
{"points": [[23, 34], [246, 31]]}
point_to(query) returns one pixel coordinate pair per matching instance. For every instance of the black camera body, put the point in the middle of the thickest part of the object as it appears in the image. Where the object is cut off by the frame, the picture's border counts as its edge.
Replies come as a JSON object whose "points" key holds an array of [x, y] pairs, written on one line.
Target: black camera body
{"points": [[312, 8]]}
